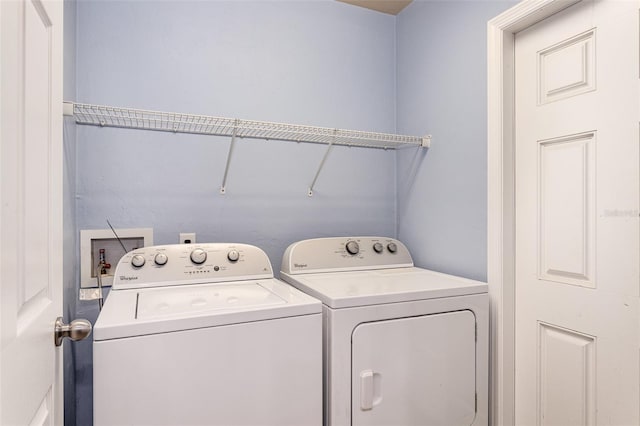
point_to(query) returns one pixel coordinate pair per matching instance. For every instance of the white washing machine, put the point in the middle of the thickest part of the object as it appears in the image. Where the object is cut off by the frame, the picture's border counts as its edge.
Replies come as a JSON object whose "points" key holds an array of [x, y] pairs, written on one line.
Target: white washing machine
{"points": [[402, 345], [203, 334]]}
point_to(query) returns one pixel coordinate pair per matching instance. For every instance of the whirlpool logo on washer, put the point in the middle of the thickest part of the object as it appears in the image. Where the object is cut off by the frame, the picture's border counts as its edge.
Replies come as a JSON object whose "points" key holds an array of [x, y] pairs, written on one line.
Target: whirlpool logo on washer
{"points": [[300, 265], [125, 278]]}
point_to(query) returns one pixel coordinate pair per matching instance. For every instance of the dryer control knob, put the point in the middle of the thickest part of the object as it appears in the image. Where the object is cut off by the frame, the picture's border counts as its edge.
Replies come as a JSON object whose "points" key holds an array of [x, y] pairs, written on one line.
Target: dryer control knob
{"points": [[353, 247], [137, 260], [377, 247], [198, 256], [233, 255], [161, 259], [392, 247]]}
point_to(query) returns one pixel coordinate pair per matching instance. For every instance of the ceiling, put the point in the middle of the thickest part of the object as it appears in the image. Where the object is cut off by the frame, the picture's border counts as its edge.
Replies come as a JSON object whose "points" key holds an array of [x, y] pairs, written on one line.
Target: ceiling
{"points": [[392, 7]]}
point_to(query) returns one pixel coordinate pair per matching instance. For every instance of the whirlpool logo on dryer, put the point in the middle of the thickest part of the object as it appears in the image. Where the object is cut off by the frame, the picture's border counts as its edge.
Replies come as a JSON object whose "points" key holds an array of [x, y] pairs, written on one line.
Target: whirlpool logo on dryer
{"points": [[125, 278]]}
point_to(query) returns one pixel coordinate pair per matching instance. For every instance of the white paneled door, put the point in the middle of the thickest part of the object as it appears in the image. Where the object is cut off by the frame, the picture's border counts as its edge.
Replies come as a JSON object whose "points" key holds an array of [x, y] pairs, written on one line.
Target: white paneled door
{"points": [[30, 211], [577, 224]]}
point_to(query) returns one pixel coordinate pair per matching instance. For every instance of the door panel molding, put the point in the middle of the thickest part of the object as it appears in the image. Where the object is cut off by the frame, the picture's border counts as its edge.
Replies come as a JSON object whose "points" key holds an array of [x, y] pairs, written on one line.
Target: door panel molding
{"points": [[567, 373], [567, 183], [567, 68]]}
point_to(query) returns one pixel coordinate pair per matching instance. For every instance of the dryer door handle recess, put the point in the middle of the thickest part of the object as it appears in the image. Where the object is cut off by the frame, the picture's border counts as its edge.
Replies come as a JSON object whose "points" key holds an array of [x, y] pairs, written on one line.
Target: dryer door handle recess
{"points": [[370, 389]]}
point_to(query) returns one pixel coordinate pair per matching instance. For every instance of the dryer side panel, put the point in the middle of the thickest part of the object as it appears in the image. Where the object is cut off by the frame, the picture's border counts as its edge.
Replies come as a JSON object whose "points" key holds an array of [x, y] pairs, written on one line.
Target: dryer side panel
{"points": [[415, 371]]}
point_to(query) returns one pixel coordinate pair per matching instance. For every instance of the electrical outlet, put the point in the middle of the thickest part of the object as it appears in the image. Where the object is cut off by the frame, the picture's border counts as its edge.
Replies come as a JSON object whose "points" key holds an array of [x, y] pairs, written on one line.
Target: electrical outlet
{"points": [[187, 237]]}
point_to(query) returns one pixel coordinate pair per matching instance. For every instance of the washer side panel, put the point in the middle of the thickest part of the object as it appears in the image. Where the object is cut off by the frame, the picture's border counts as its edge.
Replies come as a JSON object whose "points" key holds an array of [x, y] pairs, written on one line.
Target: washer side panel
{"points": [[237, 374]]}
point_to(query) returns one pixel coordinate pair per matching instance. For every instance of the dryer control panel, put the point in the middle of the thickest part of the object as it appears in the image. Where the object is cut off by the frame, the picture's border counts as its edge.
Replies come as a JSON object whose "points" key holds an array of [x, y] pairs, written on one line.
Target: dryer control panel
{"points": [[180, 264], [345, 254]]}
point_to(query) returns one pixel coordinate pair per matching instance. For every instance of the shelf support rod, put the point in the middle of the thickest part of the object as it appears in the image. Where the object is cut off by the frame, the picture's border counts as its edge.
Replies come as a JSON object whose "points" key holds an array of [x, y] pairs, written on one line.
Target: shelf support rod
{"points": [[324, 158], [223, 189]]}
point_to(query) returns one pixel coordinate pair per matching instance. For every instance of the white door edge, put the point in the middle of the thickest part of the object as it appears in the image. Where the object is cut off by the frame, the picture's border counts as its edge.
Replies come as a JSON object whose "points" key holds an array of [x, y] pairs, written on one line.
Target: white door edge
{"points": [[31, 80], [501, 196]]}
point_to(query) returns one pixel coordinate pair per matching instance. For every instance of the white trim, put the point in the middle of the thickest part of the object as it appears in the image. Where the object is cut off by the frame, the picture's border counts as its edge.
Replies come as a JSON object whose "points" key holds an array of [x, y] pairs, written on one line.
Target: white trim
{"points": [[501, 196]]}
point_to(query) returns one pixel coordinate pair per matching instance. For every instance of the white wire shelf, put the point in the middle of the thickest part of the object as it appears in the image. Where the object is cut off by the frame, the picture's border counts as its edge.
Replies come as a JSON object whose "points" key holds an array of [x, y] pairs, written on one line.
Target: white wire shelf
{"points": [[129, 118]]}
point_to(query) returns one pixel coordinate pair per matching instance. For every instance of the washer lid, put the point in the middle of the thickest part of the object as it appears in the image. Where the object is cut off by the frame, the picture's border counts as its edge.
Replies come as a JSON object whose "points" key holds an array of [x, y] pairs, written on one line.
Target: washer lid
{"points": [[170, 302], [138, 312], [361, 288]]}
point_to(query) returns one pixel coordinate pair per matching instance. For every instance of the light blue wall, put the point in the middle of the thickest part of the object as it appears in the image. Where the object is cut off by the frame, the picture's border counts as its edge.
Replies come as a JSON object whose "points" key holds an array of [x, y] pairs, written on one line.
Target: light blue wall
{"points": [[70, 276], [310, 62], [441, 89]]}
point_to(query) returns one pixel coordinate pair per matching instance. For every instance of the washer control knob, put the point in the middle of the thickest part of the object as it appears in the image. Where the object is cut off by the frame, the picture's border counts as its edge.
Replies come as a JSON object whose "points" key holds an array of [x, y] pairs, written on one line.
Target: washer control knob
{"points": [[233, 255], [137, 260], [353, 247], [198, 256], [377, 247], [392, 247], [161, 259]]}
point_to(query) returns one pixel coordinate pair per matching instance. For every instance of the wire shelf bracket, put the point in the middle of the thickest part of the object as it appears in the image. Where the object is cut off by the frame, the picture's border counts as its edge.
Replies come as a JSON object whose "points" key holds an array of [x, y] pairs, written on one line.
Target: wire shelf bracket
{"points": [[315, 178], [130, 118], [223, 188]]}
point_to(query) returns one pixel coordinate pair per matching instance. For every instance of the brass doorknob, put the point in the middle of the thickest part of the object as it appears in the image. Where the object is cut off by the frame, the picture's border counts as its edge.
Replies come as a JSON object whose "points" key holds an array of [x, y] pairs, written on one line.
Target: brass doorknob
{"points": [[77, 330]]}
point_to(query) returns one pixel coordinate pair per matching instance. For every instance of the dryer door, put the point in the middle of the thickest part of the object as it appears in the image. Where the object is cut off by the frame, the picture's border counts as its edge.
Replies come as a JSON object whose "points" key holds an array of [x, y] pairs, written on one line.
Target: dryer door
{"points": [[415, 371]]}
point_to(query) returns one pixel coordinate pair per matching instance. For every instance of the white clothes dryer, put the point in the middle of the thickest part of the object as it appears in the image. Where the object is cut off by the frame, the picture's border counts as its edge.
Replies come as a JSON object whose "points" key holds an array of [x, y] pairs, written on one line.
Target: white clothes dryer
{"points": [[202, 334], [402, 345]]}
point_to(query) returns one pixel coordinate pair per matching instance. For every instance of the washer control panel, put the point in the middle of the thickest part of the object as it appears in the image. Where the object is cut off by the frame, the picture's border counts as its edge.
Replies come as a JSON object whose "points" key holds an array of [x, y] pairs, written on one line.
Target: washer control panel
{"points": [[344, 254], [181, 264]]}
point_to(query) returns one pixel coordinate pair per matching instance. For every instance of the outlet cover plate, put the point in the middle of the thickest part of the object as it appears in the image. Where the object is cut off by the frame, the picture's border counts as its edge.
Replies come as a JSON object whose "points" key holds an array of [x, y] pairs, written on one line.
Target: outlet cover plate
{"points": [[184, 236]]}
